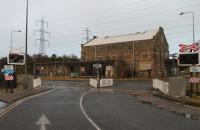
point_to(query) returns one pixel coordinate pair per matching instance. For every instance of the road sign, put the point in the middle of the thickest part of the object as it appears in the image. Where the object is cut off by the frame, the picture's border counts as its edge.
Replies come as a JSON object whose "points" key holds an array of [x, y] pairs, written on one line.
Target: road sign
{"points": [[8, 77], [8, 67], [195, 69], [16, 58], [97, 66], [9, 71], [193, 47], [74, 74]]}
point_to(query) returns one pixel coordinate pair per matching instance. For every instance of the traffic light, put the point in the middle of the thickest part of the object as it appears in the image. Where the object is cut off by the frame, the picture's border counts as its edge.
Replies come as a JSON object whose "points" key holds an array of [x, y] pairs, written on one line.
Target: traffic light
{"points": [[189, 58], [16, 59]]}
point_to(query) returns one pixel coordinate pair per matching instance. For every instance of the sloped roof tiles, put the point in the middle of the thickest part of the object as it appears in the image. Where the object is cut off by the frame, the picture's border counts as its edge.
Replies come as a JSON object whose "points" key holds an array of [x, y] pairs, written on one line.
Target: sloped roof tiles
{"points": [[145, 35]]}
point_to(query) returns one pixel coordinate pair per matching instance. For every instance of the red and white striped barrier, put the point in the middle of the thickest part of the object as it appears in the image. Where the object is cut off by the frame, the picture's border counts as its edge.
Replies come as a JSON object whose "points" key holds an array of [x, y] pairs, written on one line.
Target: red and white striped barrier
{"points": [[194, 80], [9, 77]]}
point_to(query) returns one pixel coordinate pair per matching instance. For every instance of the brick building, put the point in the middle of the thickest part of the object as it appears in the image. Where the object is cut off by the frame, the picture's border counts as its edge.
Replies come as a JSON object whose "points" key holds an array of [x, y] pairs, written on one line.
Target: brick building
{"points": [[144, 53]]}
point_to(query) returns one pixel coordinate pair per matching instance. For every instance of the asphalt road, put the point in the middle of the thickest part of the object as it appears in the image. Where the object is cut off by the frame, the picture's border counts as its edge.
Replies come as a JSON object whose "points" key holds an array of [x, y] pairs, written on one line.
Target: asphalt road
{"points": [[61, 107], [106, 110], [133, 85]]}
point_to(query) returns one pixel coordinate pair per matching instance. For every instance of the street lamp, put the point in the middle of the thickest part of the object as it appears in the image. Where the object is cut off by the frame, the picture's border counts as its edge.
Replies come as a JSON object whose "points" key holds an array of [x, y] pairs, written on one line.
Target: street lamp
{"points": [[11, 39], [26, 42], [182, 13]]}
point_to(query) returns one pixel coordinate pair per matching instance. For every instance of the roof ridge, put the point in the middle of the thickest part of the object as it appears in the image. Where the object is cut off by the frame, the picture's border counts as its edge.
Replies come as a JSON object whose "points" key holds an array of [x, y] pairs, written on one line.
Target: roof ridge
{"points": [[129, 34]]}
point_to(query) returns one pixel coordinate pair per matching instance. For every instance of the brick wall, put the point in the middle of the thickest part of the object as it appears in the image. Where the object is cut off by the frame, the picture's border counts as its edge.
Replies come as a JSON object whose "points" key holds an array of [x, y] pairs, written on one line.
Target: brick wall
{"points": [[146, 57]]}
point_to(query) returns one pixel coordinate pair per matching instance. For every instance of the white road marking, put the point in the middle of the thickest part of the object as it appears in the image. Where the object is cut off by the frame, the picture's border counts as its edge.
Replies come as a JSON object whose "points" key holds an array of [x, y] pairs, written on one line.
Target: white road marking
{"points": [[85, 114], [12, 106], [43, 121]]}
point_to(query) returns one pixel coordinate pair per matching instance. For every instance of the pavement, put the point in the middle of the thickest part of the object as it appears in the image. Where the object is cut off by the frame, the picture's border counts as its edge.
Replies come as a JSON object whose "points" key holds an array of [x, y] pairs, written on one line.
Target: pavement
{"points": [[193, 101], [75, 105], [171, 106], [12, 97]]}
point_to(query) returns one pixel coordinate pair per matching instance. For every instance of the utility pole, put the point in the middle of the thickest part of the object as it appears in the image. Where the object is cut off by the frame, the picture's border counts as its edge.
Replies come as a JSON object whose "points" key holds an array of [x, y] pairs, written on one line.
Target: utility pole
{"points": [[133, 58], [26, 44], [87, 32], [43, 41]]}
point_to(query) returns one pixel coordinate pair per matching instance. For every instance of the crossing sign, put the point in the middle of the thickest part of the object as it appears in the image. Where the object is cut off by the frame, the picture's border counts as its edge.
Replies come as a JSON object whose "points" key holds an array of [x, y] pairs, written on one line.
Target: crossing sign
{"points": [[193, 47]]}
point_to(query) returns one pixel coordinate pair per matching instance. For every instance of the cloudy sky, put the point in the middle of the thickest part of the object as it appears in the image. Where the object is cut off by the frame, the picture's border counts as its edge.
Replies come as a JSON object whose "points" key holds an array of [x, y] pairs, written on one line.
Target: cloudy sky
{"points": [[68, 19]]}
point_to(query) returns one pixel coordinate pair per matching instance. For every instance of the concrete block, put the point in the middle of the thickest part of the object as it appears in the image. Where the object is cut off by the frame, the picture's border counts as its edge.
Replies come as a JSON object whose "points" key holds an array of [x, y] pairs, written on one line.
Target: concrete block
{"points": [[177, 87], [174, 87]]}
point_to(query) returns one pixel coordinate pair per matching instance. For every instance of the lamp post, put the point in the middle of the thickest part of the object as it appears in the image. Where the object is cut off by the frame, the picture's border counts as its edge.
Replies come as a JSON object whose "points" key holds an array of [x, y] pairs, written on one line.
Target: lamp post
{"points": [[11, 38], [26, 41], [182, 13]]}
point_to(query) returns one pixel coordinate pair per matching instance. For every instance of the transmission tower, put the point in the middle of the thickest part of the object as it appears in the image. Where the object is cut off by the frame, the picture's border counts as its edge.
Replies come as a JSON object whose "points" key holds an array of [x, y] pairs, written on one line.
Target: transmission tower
{"points": [[87, 33], [42, 40]]}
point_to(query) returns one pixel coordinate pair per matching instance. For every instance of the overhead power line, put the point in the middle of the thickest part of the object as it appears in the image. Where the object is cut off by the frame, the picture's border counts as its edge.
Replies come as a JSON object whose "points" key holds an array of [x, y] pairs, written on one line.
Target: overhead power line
{"points": [[131, 28], [128, 19], [178, 33], [132, 4], [130, 12]]}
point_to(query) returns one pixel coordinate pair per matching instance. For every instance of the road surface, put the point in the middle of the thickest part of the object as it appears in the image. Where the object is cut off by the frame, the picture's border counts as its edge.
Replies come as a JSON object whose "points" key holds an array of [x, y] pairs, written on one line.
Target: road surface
{"points": [[60, 109]]}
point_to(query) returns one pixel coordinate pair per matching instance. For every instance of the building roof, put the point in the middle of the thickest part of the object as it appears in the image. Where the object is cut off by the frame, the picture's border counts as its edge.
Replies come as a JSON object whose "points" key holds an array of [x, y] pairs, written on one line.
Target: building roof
{"points": [[145, 35]]}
